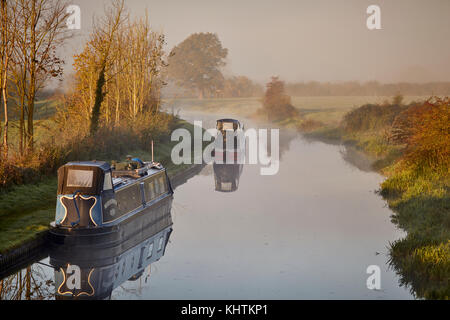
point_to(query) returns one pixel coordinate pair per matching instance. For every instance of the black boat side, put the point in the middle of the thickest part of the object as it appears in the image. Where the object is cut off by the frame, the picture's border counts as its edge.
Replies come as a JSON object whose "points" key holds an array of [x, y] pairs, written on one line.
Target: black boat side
{"points": [[98, 207]]}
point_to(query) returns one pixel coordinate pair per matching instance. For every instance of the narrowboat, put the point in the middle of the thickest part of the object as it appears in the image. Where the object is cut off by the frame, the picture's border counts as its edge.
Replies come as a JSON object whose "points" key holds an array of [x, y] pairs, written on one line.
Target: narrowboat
{"points": [[232, 151], [100, 206], [94, 274]]}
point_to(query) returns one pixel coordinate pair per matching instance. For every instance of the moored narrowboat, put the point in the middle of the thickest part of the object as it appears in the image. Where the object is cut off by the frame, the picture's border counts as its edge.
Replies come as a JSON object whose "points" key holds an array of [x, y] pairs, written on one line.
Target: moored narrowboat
{"points": [[100, 206], [230, 141]]}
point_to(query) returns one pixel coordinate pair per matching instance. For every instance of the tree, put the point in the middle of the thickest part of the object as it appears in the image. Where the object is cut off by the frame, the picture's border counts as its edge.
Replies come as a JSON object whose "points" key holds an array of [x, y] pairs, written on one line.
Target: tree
{"points": [[277, 104], [8, 35], [41, 26], [102, 40], [120, 89], [428, 145], [241, 86], [196, 62]]}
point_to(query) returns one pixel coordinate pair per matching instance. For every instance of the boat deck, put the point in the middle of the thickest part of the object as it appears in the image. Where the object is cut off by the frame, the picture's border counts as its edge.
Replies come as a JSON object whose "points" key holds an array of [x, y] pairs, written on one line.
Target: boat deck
{"points": [[123, 178]]}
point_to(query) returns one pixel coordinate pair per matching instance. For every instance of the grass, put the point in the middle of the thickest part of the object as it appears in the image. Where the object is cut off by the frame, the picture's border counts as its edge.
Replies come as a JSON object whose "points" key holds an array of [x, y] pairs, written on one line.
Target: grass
{"points": [[233, 106], [421, 203], [331, 110], [26, 210]]}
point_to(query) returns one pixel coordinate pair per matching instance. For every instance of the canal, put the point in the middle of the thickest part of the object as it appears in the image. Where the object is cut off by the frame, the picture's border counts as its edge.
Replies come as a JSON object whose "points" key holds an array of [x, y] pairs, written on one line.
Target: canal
{"points": [[308, 232]]}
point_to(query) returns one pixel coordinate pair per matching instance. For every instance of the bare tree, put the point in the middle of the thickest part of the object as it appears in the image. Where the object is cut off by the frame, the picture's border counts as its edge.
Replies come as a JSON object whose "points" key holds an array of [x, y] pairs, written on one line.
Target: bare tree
{"points": [[41, 30], [8, 35]]}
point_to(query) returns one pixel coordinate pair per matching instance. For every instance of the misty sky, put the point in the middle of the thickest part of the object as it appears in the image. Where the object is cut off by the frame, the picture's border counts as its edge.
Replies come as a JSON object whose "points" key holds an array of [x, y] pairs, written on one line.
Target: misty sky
{"points": [[304, 40]]}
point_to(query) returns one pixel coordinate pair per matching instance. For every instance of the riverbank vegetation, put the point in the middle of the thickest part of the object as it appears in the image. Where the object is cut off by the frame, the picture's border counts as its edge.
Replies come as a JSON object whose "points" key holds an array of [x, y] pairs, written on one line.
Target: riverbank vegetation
{"points": [[112, 108], [366, 89], [411, 146]]}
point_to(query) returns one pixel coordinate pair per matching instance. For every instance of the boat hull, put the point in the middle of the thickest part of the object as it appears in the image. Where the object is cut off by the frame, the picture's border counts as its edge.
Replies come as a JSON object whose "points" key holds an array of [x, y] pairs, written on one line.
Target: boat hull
{"points": [[145, 221]]}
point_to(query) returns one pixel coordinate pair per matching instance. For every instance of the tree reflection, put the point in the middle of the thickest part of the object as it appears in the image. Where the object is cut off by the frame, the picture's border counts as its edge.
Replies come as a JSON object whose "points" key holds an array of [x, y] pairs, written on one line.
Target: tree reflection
{"points": [[31, 283]]}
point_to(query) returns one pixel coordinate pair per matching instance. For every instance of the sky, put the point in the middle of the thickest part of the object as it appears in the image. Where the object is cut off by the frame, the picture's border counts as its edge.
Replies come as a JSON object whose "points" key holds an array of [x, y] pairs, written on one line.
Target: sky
{"points": [[304, 40]]}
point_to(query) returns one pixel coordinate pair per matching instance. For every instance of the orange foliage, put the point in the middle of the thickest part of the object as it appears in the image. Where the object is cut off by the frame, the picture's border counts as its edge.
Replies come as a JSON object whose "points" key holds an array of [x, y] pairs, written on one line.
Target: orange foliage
{"points": [[428, 144], [277, 104]]}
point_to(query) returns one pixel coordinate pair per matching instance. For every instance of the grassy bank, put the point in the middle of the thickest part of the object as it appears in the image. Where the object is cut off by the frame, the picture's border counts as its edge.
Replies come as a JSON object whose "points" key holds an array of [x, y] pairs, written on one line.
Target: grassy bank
{"points": [[26, 210], [418, 196], [417, 189]]}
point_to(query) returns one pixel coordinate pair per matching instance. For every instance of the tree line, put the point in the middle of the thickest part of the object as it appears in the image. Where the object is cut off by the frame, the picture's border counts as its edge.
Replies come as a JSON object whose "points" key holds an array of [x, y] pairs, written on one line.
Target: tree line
{"points": [[370, 88]]}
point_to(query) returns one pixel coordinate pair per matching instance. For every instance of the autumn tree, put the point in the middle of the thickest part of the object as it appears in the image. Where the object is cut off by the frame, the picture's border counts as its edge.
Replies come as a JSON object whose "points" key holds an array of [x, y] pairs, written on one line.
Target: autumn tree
{"points": [[196, 63], [276, 103], [428, 142], [132, 76], [241, 86], [42, 29], [8, 24], [102, 40]]}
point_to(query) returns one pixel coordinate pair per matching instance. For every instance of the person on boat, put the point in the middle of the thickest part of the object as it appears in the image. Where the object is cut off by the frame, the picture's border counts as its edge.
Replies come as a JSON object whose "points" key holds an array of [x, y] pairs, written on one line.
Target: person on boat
{"points": [[134, 163]]}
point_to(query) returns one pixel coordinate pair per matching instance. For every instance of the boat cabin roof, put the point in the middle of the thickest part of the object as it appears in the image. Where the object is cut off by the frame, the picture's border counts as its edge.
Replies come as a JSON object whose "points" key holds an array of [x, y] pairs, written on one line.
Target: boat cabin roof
{"points": [[89, 177], [220, 124], [97, 164], [229, 120]]}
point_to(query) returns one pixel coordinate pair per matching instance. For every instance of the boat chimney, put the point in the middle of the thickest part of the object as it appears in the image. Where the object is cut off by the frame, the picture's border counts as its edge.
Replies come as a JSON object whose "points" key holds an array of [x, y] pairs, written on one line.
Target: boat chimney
{"points": [[152, 152]]}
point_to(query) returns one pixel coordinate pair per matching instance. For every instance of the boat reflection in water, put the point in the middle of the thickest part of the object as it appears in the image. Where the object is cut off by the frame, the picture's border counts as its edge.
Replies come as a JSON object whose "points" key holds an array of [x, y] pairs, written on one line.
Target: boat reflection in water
{"points": [[89, 273], [226, 176], [228, 157]]}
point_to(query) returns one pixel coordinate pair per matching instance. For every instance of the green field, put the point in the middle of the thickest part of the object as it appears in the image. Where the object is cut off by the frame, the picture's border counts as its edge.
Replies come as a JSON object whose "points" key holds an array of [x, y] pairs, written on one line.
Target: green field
{"points": [[328, 110]]}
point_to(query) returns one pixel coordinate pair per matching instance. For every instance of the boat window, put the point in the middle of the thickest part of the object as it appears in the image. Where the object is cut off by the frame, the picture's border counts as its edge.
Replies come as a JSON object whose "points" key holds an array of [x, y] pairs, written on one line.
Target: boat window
{"points": [[162, 183], [150, 250], [228, 126], [80, 178], [149, 189], [160, 244], [107, 184], [227, 186], [157, 187]]}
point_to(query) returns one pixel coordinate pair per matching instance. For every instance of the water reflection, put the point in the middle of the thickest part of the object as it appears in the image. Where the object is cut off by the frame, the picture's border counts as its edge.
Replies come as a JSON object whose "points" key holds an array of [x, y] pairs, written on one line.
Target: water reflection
{"points": [[89, 273], [31, 283], [94, 274], [226, 176]]}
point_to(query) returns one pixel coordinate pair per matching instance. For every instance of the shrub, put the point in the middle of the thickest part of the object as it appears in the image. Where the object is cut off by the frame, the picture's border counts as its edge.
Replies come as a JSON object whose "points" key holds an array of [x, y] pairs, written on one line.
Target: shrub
{"points": [[276, 104], [428, 144], [371, 117]]}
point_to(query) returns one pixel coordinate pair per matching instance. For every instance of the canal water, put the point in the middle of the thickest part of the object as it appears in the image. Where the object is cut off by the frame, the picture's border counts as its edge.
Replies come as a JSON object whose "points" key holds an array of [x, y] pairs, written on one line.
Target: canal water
{"points": [[310, 231]]}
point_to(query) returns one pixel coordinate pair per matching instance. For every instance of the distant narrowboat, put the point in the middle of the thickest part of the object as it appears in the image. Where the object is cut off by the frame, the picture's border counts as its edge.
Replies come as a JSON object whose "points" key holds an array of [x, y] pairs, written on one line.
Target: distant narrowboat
{"points": [[100, 207], [232, 151]]}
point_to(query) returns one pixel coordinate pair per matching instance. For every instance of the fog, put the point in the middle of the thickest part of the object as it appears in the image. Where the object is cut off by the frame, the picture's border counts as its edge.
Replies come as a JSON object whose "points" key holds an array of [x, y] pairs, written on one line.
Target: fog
{"points": [[304, 40]]}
